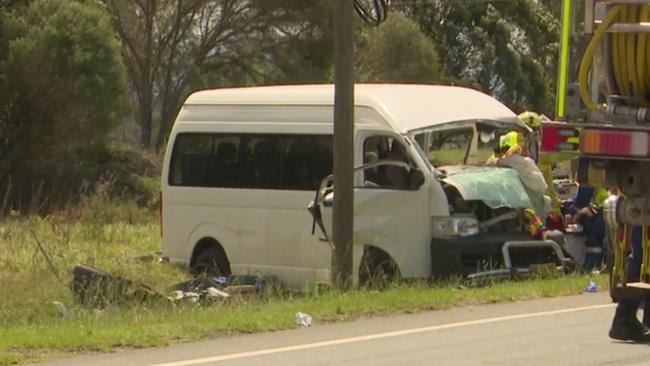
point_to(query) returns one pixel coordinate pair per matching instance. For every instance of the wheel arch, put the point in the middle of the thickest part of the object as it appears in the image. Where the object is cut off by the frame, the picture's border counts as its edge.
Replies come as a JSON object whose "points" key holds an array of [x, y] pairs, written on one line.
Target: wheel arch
{"points": [[378, 254], [206, 243], [377, 251]]}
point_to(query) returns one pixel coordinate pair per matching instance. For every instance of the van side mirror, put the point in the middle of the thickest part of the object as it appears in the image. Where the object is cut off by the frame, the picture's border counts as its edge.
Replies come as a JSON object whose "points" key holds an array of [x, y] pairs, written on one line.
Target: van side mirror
{"points": [[415, 179]]}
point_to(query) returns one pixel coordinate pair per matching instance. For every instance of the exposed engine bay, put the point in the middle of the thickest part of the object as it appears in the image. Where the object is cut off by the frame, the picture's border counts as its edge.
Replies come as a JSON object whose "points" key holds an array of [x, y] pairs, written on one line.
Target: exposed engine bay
{"points": [[497, 220]]}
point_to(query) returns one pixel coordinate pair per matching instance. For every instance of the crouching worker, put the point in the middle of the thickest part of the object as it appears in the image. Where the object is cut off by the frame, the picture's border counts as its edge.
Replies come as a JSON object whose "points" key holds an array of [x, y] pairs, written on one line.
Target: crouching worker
{"points": [[594, 228]]}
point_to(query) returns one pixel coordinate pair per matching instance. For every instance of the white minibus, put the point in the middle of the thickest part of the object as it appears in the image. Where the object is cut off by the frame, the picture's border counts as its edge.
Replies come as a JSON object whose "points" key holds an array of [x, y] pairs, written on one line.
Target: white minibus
{"points": [[243, 164]]}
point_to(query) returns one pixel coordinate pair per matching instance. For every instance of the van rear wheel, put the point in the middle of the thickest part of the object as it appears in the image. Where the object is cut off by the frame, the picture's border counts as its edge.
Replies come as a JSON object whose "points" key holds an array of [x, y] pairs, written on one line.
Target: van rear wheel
{"points": [[210, 262]]}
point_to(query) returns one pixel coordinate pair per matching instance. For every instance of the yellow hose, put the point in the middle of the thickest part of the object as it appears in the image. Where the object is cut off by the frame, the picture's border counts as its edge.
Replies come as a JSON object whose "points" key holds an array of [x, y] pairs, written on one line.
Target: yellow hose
{"points": [[648, 63], [641, 58], [616, 42], [629, 56], [585, 65], [622, 55]]}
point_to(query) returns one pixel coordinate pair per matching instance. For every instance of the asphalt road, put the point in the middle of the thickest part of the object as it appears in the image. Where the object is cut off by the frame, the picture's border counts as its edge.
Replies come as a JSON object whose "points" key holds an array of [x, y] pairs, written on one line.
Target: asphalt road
{"points": [[561, 331]]}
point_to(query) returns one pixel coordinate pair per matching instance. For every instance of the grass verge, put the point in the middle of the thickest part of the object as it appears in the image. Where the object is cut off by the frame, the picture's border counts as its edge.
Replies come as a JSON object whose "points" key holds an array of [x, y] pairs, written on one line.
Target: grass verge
{"points": [[141, 326], [38, 254]]}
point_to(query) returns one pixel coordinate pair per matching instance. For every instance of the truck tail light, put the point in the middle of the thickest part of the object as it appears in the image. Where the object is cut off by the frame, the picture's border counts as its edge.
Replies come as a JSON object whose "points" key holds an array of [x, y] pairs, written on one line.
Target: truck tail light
{"points": [[557, 137], [615, 143]]}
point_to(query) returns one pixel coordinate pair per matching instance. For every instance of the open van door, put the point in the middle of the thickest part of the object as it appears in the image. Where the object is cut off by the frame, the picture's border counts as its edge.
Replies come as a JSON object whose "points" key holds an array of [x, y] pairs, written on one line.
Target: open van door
{"points": [[391, 215]]}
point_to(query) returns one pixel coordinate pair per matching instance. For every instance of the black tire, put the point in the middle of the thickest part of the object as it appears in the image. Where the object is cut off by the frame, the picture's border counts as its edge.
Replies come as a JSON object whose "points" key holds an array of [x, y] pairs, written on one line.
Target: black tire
{"points": [[211, 262], [377, 270]]}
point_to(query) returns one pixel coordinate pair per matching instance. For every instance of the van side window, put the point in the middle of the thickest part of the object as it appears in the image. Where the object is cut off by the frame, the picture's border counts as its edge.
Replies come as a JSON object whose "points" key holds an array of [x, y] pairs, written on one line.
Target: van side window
{"points": [[385, 176], [308, 161], [191, 164], [284, 162]]}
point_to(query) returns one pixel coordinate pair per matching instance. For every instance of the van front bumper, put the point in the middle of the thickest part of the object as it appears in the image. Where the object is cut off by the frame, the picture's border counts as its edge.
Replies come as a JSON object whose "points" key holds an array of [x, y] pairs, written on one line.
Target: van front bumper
{"points": [[484, 252]]}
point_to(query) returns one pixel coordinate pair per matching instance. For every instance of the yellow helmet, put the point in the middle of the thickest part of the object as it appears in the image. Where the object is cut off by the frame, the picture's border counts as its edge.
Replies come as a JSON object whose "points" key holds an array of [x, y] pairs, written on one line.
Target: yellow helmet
{"points": [[531, 119], [510, 139]]}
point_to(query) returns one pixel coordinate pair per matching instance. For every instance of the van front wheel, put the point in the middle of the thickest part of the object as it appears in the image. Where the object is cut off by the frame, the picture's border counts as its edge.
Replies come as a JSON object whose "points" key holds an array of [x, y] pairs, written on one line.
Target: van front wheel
{"points": [[210, 262], [377, 270]]}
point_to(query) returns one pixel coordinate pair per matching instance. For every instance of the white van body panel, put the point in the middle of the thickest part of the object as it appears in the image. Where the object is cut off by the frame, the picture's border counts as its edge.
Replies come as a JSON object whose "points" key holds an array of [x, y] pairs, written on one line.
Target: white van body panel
{"points": [[405, 107], [245, 221], [269, 231], [389, 219]]}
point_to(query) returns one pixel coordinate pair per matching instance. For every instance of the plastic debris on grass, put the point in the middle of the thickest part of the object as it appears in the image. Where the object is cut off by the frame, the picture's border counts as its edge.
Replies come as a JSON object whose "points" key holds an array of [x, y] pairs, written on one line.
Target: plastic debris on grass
{"points": [[591, 287], [304, 320]]}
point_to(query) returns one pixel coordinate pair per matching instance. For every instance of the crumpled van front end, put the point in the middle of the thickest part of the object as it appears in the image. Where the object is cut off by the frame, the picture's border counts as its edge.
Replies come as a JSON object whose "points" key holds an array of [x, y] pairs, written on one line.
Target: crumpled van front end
{"points": [[485, 229], [486, 207]]}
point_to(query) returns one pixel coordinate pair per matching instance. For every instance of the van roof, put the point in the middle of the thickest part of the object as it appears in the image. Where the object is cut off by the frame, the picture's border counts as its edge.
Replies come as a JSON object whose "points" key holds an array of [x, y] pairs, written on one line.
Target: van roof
{"points": [[406, 106]]}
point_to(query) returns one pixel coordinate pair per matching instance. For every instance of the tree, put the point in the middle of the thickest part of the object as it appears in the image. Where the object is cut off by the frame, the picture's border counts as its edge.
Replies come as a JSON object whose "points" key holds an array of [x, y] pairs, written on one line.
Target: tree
{"points": [[396, 51], [303, 48], [173, 46], [8, 5], [152, 33], [61, 84], [507, 48]]}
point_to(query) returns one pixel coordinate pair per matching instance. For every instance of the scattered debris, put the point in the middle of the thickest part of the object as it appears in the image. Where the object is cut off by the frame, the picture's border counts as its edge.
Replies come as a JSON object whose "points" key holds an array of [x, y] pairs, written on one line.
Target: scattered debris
{"points": [[61, 308], [216, 293], [189, 296], [203, 290], [242, 290], [96, 288], [207, 295], [303, 319], [591, 287], [197, 285]]}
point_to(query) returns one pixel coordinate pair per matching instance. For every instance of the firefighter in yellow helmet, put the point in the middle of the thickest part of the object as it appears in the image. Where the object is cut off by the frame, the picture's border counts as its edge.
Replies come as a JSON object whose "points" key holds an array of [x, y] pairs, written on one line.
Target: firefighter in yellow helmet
{"points": [[531, 119], [513, 143], [534, 121], [510, 139]]}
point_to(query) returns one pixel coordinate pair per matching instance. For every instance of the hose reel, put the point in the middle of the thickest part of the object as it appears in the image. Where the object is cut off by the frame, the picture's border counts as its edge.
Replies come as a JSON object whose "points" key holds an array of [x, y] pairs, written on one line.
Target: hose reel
{"points": [[629, 61]]}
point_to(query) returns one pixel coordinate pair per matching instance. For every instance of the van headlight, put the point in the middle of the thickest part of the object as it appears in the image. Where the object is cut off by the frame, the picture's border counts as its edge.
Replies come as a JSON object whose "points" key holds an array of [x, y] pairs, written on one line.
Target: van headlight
{"points": [[455, 226]]}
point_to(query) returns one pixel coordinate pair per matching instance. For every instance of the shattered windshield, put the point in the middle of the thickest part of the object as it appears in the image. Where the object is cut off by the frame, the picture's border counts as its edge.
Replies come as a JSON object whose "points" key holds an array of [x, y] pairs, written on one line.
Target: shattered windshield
{"points": [[451, 144], [497, 187]]}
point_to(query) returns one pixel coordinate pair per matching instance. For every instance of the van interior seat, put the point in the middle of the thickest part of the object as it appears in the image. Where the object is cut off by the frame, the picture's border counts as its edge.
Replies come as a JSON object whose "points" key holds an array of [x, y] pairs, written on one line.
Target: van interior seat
{"points": [[227, 171], [261, 163], [226, 152], [297, 176], [396, 177]]}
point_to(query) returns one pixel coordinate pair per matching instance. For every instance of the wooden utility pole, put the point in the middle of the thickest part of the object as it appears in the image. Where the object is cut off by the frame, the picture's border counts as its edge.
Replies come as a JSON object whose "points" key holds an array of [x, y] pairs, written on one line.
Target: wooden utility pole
{"points": [[343, 213]]}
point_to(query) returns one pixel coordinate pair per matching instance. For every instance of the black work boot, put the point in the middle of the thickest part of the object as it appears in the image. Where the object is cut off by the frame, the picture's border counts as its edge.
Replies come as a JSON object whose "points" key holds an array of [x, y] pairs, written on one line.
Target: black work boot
{"points": [[627, 327]]}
